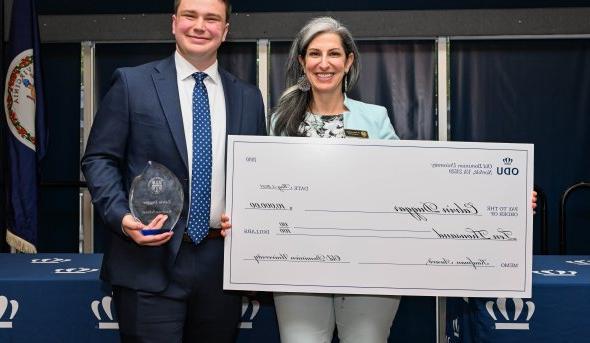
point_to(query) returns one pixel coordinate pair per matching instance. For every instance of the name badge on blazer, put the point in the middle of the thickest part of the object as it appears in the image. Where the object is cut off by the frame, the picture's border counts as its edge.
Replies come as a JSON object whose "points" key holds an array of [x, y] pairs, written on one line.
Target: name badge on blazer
{"points": [[356, 133]]}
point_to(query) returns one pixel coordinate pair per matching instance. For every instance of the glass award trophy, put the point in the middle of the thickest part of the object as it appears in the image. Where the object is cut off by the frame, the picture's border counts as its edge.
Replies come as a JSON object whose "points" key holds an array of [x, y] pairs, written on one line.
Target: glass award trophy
{"points": [[156, 191]]}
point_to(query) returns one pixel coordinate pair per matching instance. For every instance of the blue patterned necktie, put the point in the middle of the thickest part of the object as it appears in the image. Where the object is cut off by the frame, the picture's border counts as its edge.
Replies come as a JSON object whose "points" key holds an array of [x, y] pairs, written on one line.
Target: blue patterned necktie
{"points": [[198, 221]]}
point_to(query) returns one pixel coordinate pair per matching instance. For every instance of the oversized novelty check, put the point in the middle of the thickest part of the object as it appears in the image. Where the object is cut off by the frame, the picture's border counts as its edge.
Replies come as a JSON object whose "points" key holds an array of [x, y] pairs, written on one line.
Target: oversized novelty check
{"points": [[356, 216]]}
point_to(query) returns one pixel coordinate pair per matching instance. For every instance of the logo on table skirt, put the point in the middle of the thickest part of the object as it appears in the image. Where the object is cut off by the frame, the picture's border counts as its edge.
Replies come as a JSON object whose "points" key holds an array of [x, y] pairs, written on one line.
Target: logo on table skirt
{"points": [[80, 270], [553, 272], [579, 262], [507, 168], [250, 309], [105, 321], [53, 260], [519, 319], [456, 328], [455, 335], [6, 316]]}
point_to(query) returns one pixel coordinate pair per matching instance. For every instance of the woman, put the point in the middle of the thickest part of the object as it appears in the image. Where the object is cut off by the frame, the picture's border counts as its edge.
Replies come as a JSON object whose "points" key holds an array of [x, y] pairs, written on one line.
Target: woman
{"points": [[323, 63]]}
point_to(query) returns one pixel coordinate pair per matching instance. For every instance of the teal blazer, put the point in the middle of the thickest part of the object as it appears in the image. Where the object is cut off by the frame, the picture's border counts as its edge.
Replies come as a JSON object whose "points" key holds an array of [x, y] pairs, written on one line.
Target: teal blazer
{"points": [[368, 117], [365, 117]]}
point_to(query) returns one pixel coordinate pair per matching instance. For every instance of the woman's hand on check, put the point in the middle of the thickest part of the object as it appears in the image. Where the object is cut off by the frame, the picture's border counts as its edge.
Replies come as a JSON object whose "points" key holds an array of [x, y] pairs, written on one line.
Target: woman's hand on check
{"points": [[225, 225]]}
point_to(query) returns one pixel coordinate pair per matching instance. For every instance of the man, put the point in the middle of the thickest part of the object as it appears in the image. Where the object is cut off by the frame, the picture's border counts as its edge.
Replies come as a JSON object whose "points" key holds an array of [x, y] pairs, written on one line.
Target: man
{"points": [[177, 112]]}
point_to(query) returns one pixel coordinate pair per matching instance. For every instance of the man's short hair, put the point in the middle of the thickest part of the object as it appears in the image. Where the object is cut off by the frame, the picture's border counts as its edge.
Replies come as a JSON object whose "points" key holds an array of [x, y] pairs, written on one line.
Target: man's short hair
{"points": [[227, 8]]}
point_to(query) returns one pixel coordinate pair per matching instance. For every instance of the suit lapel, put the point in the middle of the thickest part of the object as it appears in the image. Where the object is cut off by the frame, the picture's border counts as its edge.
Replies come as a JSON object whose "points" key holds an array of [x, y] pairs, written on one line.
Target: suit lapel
{"points": [[233, 102], [167, 88]]}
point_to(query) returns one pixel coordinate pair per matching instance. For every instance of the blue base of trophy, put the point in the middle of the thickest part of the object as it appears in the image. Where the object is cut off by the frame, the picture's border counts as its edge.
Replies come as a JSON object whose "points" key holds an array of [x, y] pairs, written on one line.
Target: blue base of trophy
{"points": [[151, 232]]}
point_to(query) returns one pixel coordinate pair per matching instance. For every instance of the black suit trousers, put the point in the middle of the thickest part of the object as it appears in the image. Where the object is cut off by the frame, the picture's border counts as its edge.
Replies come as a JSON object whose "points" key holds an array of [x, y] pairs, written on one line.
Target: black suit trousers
{"points": [[193, 308]]}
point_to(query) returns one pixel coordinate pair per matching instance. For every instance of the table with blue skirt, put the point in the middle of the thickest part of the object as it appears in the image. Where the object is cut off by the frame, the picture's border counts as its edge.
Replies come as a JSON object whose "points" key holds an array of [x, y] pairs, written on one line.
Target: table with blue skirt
{"points": [[60, 298], [557, 312]]}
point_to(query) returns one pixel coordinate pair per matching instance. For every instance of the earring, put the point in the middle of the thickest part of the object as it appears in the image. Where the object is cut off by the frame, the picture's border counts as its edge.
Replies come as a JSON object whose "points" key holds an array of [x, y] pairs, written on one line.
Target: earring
{"points": [[345, 82], [303, 84]]}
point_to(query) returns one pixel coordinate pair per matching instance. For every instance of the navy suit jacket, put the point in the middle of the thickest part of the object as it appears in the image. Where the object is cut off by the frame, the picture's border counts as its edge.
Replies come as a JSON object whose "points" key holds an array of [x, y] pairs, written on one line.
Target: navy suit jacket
{"points": [[140, 120]]}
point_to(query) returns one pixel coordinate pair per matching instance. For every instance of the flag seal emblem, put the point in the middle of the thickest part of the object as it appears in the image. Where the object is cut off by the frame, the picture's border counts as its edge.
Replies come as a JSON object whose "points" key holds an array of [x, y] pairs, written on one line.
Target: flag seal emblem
{"points": [[20, 98]]}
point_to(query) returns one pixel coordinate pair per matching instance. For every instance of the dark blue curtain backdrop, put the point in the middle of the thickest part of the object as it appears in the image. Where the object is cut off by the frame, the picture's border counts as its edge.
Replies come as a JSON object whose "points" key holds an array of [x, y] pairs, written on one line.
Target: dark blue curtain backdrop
{"points": [[60, 169], [238, 58], [398, 75], [530, 91]]}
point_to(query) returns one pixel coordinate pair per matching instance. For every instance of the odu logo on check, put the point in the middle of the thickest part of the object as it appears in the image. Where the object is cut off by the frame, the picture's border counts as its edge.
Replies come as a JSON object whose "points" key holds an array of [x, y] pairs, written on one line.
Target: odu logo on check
{"points": [[507, 170]]}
